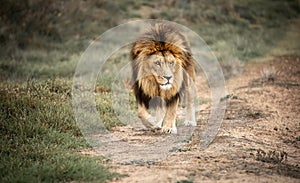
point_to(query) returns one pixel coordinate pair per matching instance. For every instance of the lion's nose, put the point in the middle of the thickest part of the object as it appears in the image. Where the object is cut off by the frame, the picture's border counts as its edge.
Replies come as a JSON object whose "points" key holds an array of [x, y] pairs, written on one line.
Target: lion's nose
{"points": [[168, 77]]}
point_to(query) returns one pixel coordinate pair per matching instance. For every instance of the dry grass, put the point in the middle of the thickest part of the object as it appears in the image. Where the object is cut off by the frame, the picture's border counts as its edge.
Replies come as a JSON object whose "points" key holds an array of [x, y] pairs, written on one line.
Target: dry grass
{"points": [[269, 74]]}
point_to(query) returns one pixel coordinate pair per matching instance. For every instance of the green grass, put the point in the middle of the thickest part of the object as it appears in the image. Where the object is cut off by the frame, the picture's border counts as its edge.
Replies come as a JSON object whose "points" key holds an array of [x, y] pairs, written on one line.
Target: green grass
{"points": [[39, 136], [38, 64]]}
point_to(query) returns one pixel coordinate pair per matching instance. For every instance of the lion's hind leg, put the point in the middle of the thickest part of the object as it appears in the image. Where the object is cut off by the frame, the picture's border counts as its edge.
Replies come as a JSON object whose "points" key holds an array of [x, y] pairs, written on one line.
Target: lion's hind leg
{"points": [[190, 119], [160, 114]]}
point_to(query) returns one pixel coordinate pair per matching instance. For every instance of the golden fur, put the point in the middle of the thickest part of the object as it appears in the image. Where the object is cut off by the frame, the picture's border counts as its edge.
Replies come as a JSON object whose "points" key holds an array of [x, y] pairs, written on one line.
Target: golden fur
{"points": [[163, 67]]}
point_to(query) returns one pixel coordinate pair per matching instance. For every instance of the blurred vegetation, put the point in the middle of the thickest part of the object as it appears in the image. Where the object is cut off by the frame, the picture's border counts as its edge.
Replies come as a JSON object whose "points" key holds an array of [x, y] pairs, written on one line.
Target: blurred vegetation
{"points": [[42, 39], [41, 42]]}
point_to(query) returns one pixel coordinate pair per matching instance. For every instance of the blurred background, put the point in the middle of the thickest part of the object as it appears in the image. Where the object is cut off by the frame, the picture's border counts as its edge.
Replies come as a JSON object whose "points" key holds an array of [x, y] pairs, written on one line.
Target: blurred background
{"points": [[41, 42], [42, 39]]}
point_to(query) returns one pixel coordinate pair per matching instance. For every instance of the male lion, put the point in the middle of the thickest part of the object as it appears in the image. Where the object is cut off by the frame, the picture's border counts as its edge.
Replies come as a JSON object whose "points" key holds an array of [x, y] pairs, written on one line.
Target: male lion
{"points": [[163, 70]]}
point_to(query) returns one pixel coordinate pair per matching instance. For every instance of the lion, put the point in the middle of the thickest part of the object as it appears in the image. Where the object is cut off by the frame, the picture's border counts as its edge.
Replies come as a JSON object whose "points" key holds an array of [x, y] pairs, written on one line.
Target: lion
{"points": [[163, 71]]}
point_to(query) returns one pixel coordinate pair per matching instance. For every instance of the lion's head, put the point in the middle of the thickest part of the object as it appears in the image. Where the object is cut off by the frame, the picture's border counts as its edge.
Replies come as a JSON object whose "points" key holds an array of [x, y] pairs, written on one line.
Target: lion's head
{"points": [[163, 68], [160, 57]]}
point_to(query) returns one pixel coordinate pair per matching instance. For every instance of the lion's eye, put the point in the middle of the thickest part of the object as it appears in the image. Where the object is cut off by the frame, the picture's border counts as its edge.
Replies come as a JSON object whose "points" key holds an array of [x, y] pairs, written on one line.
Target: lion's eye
{"points": [[158, 64], [171, 63]]}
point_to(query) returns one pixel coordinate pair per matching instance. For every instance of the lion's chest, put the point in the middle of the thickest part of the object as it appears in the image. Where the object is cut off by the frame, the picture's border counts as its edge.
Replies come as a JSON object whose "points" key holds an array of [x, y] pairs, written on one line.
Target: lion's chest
{"points": [[152, 89]]}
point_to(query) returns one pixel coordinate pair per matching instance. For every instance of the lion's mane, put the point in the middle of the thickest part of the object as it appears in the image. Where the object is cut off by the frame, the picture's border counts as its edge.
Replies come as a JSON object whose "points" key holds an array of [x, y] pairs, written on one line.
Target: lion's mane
{"points": [[160, 38]]}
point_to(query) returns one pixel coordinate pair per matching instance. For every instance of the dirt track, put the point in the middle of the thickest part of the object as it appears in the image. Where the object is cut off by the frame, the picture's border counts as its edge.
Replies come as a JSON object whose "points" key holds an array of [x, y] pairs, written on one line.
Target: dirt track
{"points": [[259, 139]]}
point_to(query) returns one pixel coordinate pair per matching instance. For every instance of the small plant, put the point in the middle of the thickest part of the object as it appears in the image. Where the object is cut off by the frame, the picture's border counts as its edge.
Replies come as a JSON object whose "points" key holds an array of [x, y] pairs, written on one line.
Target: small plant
{"points": [[229, 96], [185, 181], [269, 74], [271, 156]]}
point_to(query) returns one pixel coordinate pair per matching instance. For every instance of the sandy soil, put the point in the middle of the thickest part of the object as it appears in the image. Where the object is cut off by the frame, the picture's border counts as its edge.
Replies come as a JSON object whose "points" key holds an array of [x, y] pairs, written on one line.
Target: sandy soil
{"points": [[259, 139]]}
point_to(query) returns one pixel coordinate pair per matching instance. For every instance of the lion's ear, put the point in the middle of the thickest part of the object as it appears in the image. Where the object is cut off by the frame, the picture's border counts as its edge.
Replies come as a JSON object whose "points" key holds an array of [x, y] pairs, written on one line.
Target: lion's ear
{"points": [[138, 50], [135, 51]]}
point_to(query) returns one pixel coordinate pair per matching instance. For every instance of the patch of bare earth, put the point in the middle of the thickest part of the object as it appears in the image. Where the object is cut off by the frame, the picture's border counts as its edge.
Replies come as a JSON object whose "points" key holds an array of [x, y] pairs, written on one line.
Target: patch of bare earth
{"points": [[259, 139]]}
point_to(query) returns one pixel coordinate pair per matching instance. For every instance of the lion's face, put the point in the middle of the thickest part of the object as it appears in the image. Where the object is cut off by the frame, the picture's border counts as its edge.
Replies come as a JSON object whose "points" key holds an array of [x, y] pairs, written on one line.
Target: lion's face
{"points": [[165, 68]]}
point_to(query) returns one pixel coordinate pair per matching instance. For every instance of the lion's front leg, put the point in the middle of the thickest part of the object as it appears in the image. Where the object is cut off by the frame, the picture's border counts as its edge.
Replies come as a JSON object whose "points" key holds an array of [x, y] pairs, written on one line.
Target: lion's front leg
{"points": [[169, 125], [190, 119]]}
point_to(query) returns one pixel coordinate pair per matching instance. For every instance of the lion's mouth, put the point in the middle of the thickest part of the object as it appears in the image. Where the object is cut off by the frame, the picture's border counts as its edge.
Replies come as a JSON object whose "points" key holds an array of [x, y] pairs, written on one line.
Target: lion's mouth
{"points": [[166, 86]]}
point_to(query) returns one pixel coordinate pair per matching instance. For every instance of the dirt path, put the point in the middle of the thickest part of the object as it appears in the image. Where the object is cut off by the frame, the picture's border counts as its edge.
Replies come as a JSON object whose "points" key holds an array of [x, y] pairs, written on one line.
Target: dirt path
{"points": [[259, 139]]}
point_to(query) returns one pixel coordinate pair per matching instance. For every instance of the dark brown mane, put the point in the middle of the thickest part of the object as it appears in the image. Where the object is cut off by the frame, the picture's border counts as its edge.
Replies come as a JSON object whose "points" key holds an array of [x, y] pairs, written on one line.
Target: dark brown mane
{"points": [[160, 38]]}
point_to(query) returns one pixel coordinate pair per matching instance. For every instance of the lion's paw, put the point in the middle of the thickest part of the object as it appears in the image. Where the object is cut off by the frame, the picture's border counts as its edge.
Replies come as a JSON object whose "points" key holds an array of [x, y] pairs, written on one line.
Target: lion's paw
{"points": [[190, 123], [169, 130]]}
